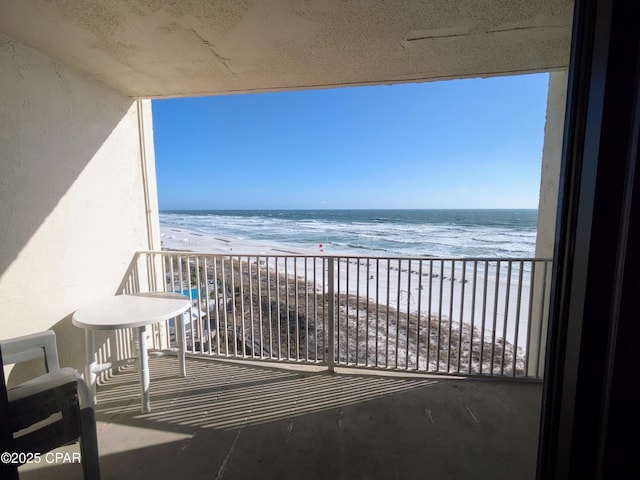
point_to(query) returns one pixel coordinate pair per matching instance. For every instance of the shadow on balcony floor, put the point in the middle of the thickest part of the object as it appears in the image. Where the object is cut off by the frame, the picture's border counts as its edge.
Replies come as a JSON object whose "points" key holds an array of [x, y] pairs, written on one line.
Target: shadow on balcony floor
{"points": [[237, 421]]}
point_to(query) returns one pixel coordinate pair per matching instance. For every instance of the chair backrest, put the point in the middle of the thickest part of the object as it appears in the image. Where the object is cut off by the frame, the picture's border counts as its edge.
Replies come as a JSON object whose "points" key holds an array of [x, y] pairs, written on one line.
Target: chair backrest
{"points": [[38, 345]]}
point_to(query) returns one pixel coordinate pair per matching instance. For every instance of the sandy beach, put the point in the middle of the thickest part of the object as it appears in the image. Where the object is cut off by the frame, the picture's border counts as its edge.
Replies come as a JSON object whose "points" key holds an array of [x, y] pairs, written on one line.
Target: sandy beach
{"points": [[182, 239]]}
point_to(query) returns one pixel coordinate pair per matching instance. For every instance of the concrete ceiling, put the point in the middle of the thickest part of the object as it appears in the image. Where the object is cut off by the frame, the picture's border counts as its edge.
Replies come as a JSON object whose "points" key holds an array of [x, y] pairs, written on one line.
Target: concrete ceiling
{"points": [[165, 48]]}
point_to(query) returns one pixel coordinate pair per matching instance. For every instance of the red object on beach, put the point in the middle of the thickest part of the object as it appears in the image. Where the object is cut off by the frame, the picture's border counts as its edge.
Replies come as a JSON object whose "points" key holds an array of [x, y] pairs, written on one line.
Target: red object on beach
{"points": [[321, 249]]}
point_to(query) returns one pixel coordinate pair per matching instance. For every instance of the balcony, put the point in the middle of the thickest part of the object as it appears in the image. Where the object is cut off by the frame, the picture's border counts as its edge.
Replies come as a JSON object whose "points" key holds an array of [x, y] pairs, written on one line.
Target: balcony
{"points": [[242, 419], [330, 367]]}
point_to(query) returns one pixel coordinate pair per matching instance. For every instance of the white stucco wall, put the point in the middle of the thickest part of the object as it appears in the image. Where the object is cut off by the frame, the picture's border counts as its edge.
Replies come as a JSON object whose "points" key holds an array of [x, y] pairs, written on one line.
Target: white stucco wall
{"points": [[551, 159], [547, 209], [72, 207]]}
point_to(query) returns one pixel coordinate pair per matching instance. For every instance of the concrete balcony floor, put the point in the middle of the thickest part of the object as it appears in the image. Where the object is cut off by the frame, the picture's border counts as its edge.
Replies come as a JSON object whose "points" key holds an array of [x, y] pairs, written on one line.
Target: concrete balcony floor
{"points": [[234, 420]]}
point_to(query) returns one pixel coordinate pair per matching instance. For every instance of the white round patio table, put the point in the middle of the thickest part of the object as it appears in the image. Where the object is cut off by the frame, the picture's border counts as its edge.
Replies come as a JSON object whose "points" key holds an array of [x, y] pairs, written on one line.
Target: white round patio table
{"points": [[131, 311]]}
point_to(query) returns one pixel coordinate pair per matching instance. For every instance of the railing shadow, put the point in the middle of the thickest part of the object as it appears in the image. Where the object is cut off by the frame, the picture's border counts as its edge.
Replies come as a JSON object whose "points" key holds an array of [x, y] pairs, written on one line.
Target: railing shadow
{"points": [[221, 395]]}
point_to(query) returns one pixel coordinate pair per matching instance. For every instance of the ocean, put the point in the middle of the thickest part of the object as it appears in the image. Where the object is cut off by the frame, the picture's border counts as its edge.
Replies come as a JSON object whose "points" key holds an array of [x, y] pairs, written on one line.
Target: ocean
{"points": [[415, 233]]}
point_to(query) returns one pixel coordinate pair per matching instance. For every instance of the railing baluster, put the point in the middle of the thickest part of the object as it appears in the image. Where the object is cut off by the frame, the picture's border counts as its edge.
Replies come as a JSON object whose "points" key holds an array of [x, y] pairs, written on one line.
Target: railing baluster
{"points": [[285, 314], [430, 299], [325, 342], [190, 311], [441, 280], [306, 308], [314, 307], [194, 303], [366, 335], [473, 313], [234, 307], [325, 307], [278, 317], [357, 306], [451, 290], [197, 331], [419, 315], [338, 294], [180, 289], [409, 273], [398, 312], [238, 307], [260, 314], [225, 303], [221, 316], [269, 306], [207, 326], [167, 279], [295, 303], [377, 308], [347, 302], [506, 318], [495, 316], [484, 314], [216, 286], [517, 327], [463, 281], [331, 299], [386, 358], [251, 303]]}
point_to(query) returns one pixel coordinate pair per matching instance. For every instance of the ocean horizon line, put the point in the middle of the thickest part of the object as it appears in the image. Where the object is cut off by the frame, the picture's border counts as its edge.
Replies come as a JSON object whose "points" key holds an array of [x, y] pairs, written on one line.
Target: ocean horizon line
{"points": [[179, 210]]}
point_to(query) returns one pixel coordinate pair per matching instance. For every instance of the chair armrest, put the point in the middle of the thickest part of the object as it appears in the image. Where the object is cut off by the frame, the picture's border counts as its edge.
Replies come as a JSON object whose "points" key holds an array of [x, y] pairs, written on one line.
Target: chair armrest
{"points": [[28, 347], [50, 381]]}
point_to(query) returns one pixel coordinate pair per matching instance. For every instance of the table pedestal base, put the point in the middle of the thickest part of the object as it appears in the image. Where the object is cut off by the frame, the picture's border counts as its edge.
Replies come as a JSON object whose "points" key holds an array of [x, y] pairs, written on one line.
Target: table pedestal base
{"points": [[93, 368]]}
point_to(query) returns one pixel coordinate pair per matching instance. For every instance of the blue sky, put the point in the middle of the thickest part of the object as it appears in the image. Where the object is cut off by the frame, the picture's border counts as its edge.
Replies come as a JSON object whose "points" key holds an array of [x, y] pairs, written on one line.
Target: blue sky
{"points": [[473, 143]]}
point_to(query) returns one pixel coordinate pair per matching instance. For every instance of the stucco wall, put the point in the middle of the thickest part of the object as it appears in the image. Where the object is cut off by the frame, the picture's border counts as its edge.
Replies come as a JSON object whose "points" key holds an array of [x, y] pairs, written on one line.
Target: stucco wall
{"points": [[551, 159], [72, 206], [547, 209]]}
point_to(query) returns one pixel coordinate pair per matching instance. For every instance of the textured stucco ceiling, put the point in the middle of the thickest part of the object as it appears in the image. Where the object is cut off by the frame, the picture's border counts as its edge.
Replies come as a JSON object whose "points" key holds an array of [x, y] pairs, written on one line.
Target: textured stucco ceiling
{"points": [[160, 48]]}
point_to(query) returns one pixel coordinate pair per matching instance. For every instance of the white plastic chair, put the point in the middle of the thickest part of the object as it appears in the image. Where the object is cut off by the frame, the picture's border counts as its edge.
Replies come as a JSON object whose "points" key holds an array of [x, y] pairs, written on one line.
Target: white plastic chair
{"points": [[53, 409]]}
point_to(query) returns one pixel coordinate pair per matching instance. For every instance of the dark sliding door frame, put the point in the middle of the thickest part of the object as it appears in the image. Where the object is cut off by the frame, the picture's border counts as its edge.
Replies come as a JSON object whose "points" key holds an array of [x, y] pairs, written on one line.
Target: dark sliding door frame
{"points": [[589, 426]]}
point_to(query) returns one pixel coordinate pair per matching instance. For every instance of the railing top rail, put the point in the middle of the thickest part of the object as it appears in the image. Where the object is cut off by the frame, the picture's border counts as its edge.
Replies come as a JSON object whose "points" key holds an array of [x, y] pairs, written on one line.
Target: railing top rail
{"points": [[339, 256]]}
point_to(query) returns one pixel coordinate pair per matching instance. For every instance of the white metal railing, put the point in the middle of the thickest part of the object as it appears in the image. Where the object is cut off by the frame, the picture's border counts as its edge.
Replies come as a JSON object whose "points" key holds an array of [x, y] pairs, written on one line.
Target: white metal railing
{"points": [[481, 316]]}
